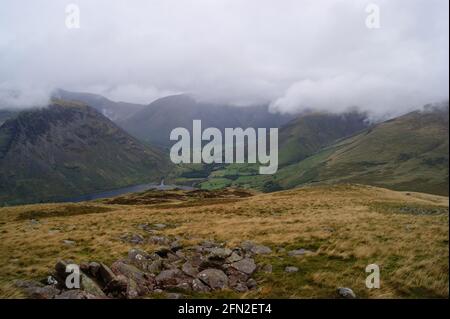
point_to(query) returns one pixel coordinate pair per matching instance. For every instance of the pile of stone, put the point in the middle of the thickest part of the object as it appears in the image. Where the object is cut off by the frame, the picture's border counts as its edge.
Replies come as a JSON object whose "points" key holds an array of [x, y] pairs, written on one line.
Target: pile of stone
{"points": [[202, 268]]}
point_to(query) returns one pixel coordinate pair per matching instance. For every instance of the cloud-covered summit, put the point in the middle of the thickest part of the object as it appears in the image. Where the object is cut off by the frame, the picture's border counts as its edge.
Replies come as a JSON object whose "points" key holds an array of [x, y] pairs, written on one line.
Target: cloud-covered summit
{"points": [[293, 54]]}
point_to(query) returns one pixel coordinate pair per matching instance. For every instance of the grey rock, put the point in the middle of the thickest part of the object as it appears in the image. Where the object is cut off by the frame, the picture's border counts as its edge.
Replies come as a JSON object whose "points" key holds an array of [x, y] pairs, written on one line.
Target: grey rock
{"points": [[90, 286], [41, 292], [170, 277], [199, 286], [159, 240], [172, 257], [137, 254], [261, 250], [346, 293], [145, 282], [291, 269], [251, 284], [136, 239], [234, 257], [155, 266], [118, 287], [105, 274], [237, 280], [132, 238], [298, 252], [251, 247], [240, 287], [209, 244], [246, 265], [219, 253], [214, 278], [189, 269], [51, 280], [160, 226]]}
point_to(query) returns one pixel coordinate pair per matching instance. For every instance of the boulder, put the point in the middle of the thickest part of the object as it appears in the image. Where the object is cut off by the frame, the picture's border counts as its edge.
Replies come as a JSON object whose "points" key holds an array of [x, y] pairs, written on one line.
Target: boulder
{"points": [[145, 282], [45, 292], [261, 250], [246, 266], [234, 257], [214, 278], [253, 248], [237, 280], [199, 286], [137, 254], [219, 253], [118, 287], [346, 293], [90, 286], [159, 240], [155, 266], [189, 269], [170, 277], [105, 274]]}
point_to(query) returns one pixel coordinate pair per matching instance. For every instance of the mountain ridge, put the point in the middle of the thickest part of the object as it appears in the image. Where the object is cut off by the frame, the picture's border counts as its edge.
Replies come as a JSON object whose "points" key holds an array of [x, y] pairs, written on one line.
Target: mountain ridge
{"points": [[69, 149]]}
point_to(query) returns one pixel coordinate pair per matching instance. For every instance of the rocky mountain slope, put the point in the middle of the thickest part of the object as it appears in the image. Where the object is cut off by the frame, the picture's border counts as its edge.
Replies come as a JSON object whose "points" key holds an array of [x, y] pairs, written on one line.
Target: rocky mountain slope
{"points": [[69, 149]]}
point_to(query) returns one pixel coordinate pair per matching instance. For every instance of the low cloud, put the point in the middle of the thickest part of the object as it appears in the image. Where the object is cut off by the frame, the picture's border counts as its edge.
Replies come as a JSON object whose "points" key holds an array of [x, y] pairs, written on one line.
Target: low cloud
{"points": [[292, 54]]}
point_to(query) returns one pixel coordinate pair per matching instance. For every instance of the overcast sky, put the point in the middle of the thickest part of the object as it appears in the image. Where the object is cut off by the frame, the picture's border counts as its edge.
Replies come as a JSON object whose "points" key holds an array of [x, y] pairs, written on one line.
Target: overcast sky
{"points": [[293, 54]]}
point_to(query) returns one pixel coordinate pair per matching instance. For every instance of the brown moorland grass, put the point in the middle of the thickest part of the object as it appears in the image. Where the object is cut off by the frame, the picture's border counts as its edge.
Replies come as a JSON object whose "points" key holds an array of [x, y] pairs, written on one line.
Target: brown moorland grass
{"points": [[346, 227]]}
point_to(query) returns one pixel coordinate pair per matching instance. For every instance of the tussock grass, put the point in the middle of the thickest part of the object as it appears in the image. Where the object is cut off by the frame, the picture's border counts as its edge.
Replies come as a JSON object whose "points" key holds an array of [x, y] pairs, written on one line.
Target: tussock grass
{"points": [[338, 224]]}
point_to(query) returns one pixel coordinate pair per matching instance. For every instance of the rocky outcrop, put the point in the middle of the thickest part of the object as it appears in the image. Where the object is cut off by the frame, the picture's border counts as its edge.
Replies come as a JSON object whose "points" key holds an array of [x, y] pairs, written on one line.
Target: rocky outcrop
{"points": [[172, 268]]}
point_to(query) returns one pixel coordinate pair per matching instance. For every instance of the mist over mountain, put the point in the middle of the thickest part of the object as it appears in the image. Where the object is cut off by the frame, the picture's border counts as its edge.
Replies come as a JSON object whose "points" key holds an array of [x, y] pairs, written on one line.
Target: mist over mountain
{"points": [[115, 111], [293, 55], [154, 122]]}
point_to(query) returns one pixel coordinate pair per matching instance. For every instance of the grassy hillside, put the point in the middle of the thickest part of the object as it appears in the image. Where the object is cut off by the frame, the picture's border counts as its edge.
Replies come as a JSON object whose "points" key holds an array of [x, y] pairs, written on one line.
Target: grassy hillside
{"points": [[407, 153], [69, 149], [309, 133], [298, 139], [344, 228]]}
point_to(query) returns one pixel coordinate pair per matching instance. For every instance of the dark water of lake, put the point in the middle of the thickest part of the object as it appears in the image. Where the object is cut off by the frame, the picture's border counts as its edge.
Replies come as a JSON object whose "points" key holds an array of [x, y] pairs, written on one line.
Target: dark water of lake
{"points": [[126, 190]]}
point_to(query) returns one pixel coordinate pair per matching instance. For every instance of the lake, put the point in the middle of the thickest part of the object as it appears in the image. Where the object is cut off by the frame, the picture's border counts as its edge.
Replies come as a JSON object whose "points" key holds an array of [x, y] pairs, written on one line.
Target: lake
{"points": [[125, 190]]}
